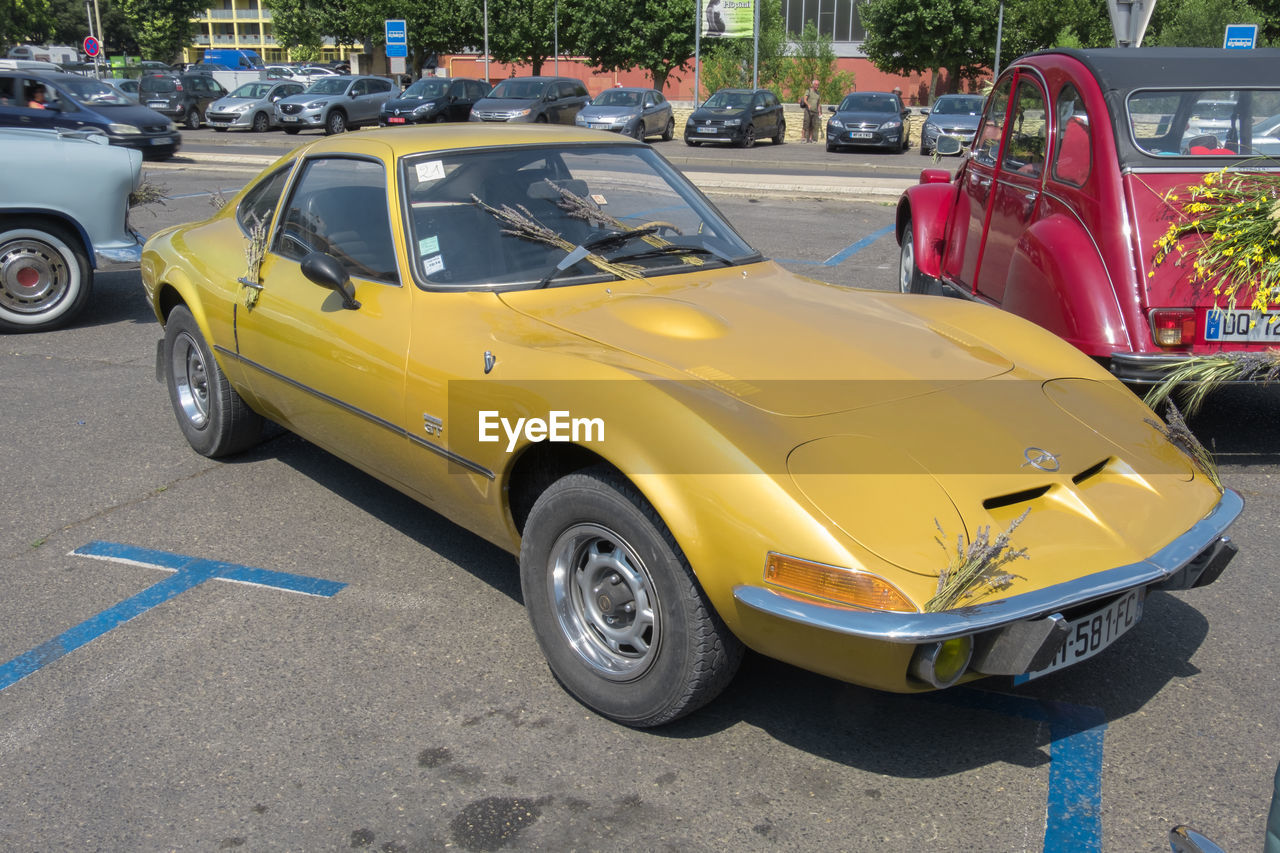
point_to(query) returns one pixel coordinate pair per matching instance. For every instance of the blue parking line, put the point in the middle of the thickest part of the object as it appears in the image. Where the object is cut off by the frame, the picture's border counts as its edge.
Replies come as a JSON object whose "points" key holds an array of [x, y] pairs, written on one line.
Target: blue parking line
{"points": [[847, 252], [1073, 818], [189, 572]]}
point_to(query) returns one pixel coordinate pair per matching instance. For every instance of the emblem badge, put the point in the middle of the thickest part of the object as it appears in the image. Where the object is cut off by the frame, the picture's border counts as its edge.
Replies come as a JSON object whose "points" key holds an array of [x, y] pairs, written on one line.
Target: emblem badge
{"points": [[1041, 459]]}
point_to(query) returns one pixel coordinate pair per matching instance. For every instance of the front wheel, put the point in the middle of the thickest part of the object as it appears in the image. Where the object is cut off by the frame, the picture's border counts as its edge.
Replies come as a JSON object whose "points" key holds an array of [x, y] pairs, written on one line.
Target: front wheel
{"points": [[261, 124], [212, 416], [910, 279], [45, 278], [335, 123], [748, 136], [614, 604], [192, 119], [670, 132]]}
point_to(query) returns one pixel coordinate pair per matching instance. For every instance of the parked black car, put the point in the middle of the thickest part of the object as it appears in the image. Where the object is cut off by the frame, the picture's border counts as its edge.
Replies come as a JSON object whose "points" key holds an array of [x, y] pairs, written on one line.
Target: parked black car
{"points": [[629, 110], [433, 99], [533, 99], [82, 103], [740, 116], [183, 97], [871, 119]]}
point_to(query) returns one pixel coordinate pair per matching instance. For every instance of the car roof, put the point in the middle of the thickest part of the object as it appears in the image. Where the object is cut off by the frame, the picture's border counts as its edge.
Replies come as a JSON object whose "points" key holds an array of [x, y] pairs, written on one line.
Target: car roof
{"points": [[1124, 69]]}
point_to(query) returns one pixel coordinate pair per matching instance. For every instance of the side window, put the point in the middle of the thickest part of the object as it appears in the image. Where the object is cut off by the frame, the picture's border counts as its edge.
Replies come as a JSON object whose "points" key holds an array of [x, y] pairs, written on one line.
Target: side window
{"points": [[1072, 139], [378, 86], [580, 90], [456, 89], [339, 206], [360, 88], [989, 135], [657, 97], [568, 90], [474, 91], [6, 92], [1029, 138], [259, 203]]}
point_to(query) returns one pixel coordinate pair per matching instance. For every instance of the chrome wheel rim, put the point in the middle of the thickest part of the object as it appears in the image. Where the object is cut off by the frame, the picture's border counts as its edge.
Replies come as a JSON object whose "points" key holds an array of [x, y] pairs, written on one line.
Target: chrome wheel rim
{"points": [[906, 262], [34, 277], [191, 380], [604, 601]]}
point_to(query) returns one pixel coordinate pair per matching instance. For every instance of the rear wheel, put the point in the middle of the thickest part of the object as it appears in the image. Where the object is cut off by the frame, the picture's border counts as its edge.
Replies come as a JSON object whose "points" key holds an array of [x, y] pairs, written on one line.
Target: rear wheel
{"points": [[614, 604], [781, 135], [669, 133], [261, 124], [212, 416], [45, 277]]}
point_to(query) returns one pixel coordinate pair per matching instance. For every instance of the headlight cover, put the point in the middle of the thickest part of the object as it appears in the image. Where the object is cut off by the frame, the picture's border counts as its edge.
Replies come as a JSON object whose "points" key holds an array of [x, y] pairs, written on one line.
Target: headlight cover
{"points": [[834, 122], [123, 129], [891, 125]]}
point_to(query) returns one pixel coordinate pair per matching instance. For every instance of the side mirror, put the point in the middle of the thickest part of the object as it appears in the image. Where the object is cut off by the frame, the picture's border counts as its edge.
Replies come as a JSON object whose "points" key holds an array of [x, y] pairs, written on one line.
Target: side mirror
{"points": [[1184, 839], [324, 270], [947, 145]]}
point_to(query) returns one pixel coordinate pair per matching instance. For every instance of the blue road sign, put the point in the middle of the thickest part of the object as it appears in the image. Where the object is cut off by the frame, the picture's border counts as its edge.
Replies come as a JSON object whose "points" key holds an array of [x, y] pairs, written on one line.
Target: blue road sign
{"points": [[1240, 36], [397, 38]]}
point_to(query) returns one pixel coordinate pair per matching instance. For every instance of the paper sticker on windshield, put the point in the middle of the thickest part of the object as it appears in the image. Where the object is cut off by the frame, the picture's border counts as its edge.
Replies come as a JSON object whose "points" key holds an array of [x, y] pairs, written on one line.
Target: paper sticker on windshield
{"points": [[430, 171], [428, 246], [433, 264], [598, 199]]}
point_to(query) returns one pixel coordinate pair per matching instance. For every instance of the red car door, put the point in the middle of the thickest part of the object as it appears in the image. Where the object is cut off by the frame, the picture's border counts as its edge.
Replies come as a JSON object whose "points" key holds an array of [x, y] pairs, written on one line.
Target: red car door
{"points": [[973, 196], [1019, 178]]}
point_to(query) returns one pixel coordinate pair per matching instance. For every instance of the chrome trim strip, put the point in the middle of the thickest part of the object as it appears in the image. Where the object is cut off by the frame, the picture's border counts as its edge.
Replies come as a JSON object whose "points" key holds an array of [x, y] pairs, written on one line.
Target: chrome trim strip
{"points": [[119, 257], [895, 627], [368, 416]]}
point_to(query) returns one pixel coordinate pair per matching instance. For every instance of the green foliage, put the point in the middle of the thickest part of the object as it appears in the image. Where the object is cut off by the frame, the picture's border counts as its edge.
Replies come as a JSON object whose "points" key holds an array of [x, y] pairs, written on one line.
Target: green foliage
{"points": [[813, 58], [657, 35], [523, 31], [726, 63], [297, 26], [915, 36], [1202, 23], [21, 20], [162, 27]]}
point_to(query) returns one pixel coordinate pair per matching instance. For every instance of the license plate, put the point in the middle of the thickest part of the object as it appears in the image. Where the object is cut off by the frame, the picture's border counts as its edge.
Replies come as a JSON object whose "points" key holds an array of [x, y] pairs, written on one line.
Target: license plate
{"points": [[1245, 326], [289, 118], [599, 126], [160, 142], [707, 129], [395, 120], [157, 104], [1091, 634], [860, 134]]}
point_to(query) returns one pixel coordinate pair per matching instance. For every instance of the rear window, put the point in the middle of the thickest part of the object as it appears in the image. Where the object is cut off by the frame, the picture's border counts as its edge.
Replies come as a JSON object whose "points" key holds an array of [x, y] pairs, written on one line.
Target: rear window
{"points": [[1205, 123], [158, 85]]}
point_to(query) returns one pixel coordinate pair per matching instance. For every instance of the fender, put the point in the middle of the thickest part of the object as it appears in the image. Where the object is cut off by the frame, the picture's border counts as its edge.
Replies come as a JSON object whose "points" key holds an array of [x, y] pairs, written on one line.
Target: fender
{"points": [[926, 206], [1058, 281], [26, 213]]}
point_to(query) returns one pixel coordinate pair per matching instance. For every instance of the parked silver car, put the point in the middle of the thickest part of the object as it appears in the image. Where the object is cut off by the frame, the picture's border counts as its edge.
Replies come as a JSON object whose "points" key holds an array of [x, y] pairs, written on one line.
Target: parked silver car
{"points": [[951, 115], [335, 103], [54, 234], [533, 99], [629, 110], [252, 106]]}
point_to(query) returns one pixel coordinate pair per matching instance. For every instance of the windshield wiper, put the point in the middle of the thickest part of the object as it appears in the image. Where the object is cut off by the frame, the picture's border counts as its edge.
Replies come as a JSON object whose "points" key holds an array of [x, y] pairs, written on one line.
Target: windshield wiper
{"points": [[600, 241], [673, 249]]}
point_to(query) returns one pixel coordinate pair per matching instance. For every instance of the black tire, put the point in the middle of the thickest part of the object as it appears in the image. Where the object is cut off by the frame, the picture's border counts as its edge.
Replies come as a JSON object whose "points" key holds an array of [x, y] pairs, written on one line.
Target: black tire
{"points": [[292, 131], [910, 279], [669, 133], [542, 119], [781, 136], [638, 133], [440, 119], [261, 124], [748, 137], [212, 416], [191, 121], [45, 277], [924, 151], [335, 122], [595, 551]]}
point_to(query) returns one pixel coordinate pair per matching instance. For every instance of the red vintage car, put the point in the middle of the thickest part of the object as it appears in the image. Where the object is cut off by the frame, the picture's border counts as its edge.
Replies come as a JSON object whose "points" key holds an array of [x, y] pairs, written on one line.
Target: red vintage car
{"points": [[1072, 179]]}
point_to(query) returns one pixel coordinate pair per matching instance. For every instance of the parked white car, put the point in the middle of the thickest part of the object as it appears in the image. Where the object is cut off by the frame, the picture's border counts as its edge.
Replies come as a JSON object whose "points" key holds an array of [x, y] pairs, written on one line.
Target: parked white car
{"points": [[54, 233]]}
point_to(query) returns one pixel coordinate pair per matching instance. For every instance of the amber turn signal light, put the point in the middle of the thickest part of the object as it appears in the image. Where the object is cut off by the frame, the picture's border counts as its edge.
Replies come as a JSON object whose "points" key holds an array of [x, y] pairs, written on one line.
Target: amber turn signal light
{"points": [[846, 586]]}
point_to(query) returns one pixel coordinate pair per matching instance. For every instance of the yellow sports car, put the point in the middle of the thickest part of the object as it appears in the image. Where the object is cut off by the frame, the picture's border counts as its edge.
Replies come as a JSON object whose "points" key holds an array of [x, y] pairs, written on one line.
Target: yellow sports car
{"points": [[549, 336]]}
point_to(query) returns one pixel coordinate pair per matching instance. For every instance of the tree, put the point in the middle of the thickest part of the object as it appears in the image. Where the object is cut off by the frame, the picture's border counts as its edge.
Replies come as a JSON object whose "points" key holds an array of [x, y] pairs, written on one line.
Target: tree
{"points": [[296, 25], [161, 27], [1202, 23], [522, 31], [813, 58], [906, 36], [616, 35], [443, 26], [20, 20]]}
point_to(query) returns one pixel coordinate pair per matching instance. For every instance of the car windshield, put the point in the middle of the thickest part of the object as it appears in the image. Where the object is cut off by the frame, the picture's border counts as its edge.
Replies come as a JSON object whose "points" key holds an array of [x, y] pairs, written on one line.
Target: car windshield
{"points": [[88, 91], [254, 90], [328, 86], [531, 216], [1200, 123], [957, 107], [728, 101], [425, 90], [519, 90], [616, 98], [868, 103]]}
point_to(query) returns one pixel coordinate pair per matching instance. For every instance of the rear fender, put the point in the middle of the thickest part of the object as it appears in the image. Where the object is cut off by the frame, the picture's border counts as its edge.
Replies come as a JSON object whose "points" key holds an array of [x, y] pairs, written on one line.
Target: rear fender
{"points": [[926, 207], [1057, 280]]}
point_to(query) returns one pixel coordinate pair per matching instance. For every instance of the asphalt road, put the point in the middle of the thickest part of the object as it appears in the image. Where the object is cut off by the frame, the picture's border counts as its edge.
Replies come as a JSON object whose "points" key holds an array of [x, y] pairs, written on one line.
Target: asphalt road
{"points": [[412, 711]]}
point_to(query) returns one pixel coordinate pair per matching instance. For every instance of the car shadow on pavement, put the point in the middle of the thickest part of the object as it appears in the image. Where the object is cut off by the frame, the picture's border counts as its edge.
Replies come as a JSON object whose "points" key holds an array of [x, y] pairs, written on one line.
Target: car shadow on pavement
{"points": [[117, 297]]}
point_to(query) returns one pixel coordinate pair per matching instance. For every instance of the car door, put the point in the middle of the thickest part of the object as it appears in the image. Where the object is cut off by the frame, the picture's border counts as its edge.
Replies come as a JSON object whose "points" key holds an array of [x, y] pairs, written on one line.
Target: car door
{"points": [[1019, 179], [335, 374], [968, 219]]}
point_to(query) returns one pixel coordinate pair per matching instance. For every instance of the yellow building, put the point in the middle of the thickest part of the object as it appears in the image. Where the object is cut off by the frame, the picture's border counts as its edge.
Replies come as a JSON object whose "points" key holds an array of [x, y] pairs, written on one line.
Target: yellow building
{"points": [[245, 25]]}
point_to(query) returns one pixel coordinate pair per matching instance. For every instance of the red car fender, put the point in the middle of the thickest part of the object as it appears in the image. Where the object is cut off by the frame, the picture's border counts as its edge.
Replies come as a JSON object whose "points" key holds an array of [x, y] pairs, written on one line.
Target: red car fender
{"points": [[926, 206], [1057, 280]]}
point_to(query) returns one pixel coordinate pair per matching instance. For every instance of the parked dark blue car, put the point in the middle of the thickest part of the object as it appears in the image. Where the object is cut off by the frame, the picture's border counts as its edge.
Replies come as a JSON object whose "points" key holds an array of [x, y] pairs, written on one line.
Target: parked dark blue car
{"points": [[871, 119]]}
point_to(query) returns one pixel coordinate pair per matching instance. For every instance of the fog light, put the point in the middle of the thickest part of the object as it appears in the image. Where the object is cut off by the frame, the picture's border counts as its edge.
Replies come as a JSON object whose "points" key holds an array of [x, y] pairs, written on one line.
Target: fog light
{"points": [[942, 664], [1173, 327], [836, 583]]}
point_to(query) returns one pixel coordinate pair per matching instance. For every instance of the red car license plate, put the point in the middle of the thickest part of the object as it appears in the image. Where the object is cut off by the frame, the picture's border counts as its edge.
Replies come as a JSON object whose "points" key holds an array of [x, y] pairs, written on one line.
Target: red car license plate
{"points": [[395, 120]]}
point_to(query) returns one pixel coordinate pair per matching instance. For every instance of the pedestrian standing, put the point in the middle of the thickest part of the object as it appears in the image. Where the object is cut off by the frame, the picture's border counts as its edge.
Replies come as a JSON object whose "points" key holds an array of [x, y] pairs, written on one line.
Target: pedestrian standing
{"points": [[811, 103]]}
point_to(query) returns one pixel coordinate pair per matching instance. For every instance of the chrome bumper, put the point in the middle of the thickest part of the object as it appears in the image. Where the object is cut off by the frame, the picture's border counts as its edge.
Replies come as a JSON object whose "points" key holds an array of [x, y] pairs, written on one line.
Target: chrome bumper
{"points": [[119, 257], [1195, 558]]}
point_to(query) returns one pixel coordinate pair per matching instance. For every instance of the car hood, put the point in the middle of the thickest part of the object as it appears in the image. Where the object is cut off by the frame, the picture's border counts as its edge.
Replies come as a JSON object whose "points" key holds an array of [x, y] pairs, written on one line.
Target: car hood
{"points": [[228, 103], [707, 113], [409, 104], [506, 103], [589, 112], [137, 115], [310, 99], [720, 328], [963, 121], [867, 117]]}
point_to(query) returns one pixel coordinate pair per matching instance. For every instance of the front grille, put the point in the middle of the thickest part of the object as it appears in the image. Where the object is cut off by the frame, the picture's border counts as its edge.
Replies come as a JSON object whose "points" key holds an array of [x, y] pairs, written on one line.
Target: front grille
{"points": [[291, 109], [220, 116], [154, 128]]}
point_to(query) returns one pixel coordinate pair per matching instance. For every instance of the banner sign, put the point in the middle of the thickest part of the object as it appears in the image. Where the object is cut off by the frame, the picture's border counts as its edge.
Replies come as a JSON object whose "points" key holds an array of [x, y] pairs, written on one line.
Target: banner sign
{"points": [[730, 19]]}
